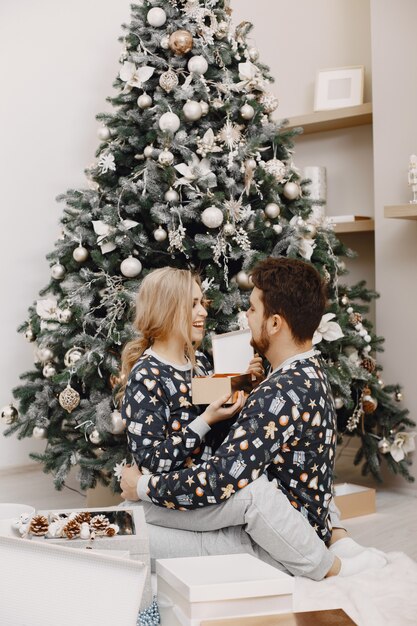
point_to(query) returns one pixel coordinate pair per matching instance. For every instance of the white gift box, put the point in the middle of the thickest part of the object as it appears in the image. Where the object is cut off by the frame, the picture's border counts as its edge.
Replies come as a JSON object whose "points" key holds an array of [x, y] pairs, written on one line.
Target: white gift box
{"points": [[193, 589], [232, 353], [135, 541]]}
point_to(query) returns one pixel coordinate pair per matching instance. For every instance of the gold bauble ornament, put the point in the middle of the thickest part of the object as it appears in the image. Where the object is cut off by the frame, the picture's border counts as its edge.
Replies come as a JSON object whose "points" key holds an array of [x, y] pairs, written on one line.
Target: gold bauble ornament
{"points": [[69, 399], [181, 42], [369, 403]]}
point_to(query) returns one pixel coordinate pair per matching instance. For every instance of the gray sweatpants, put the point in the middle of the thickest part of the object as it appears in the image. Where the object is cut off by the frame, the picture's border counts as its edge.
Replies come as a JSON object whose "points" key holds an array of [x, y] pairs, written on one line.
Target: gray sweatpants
{"points": [[259, 519]]}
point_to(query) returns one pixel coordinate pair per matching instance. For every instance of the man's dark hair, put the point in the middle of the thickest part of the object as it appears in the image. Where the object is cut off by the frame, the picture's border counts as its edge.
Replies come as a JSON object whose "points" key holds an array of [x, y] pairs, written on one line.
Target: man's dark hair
{"points": [[293, 289]]}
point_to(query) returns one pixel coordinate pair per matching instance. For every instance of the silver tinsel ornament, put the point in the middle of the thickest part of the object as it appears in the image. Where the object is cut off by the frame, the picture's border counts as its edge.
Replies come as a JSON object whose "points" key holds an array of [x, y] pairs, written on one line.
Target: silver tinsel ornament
{"points": [[144, 101], [212, 217], [72, 356], [69, 399], [58, 271], [9, 414], [80, 254], [131, 267], [117, 425], [168, 81], [160, 234]]}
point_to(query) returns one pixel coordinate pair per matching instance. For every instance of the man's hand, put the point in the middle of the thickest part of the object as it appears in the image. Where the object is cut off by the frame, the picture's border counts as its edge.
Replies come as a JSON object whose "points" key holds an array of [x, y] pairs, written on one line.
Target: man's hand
{"points": [[129, 482], [256, 368]]}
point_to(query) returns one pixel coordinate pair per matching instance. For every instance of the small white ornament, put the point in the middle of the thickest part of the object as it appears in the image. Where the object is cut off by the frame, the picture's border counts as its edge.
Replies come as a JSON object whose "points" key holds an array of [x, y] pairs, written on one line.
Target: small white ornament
{"points": [[131, 267], [45, 355], [244, 280], [85, 531], [156, 17], [117, 424], [168, 81], [58, 271], [253, 54], [204, 107], [276, 168], [148, 152], [160, 234], [169, 122], [49, 370], [192, 110], [277, 228], [39, 432], [30, 335], [291, 191], [164, 43], [272, 210], [80, 254], [269, 102], [311, 231], [197, 65], [247, 112], [144, 101], [104, 133], [95, 437], [64, 316], [251, 164], [166, 157], [171, 195], [9, 414], [212, 217], [229, 230], [367, 338], [338, 402]]}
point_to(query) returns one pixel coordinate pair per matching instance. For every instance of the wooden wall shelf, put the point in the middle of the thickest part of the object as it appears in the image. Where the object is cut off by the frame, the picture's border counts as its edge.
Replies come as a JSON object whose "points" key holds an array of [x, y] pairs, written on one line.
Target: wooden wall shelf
{"points": [[321, 121], [401, 211], [358, 226]]}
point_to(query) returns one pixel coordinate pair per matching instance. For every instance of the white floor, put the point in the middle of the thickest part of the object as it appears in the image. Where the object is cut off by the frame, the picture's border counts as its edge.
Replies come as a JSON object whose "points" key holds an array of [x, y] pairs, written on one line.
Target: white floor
{"points": [[392, 528]]}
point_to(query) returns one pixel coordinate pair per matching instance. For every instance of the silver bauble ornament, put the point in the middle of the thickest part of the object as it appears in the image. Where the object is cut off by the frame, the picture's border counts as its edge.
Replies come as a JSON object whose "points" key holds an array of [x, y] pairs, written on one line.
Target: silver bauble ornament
{"points": [[72, 356], [269, 102], [164, 43], [181, 42], [171, 195], [65, 316], [291, 191], [338, 402], [9, 414], [244, 280], [272, 210], [384, 446], [229, 230], [251, 164], [39, 432], [156, 17], [148, 152], [95, 437], [80, 254], [160, 234], [253, 54], [276, 168], [247, 112], [204, 108], [192, 110], [104, 133], [197, 65], [310, 231], [169, 122], [49, 370], [29, 334], [45, 355], [166, 157], [58, 271], [117, 425], [212, 217], [131, 267], [144, 101], [277, 228], [168, 80], [69, 399]]}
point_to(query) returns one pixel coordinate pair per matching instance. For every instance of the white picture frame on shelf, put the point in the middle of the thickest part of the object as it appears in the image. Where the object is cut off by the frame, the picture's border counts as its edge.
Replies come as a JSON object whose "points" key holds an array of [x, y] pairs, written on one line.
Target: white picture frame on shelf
{"points": [[339, 87]]}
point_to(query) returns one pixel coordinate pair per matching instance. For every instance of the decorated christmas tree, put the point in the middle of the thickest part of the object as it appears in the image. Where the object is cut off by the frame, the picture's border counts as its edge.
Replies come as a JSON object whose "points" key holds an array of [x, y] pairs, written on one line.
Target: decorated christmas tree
{"points": [[192, 171]]}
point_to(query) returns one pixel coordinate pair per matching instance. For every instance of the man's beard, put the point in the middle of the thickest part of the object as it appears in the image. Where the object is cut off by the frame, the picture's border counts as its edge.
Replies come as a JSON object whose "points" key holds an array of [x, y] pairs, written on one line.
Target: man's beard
{"points": [[261, 345]]}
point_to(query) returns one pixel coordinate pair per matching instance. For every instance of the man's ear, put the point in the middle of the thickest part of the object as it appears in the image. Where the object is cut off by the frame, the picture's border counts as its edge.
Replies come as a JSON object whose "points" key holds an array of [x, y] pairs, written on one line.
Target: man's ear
{"points": [[276, 322]]}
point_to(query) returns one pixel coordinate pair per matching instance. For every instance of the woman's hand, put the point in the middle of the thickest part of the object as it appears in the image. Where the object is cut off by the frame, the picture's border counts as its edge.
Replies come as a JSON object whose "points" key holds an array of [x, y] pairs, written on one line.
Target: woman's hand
{"points": [[129, 482], [256, 368], [216, 412]]}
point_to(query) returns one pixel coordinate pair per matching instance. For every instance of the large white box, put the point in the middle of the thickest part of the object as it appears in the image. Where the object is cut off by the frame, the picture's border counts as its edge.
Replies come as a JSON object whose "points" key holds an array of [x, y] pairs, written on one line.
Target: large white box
{"points": [[232, 353], [208, 587]]}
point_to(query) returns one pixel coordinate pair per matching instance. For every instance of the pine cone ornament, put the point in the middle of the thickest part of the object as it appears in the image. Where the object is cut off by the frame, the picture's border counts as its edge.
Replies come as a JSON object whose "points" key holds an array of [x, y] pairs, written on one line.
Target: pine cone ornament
{"points": [[83, 516], [39, 526], [99, 524], [369, 364], [72, 529], [111, 530], [355, 318]]}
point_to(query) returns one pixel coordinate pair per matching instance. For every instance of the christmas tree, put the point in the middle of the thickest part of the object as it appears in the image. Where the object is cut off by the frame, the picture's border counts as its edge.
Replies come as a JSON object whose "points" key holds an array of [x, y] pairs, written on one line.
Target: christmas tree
{"points": [[191, 171]]}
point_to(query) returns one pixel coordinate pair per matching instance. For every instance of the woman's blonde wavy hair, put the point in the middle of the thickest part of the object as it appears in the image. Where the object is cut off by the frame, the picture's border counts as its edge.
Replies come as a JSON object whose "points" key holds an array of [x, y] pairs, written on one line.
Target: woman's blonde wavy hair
{"points": [[163, 303]]}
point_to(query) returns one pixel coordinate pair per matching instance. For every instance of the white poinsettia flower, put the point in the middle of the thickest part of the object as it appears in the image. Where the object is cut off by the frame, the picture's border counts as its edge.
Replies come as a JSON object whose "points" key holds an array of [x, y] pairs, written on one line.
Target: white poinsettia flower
{"points": [[106, 162], [328, 330], [402, 445], [47, 309], [133, 76], [194, 170], [306, 248], [106, 231], [247, 71]]}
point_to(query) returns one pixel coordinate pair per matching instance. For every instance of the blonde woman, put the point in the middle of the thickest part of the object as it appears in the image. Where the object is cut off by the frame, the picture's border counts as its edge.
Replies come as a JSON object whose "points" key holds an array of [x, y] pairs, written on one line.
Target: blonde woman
{"points": [[164, 430]]}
